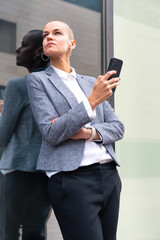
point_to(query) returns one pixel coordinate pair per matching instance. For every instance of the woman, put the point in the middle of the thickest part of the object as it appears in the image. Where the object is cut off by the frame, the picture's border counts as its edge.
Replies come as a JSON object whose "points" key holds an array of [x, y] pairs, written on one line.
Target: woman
{"points": [[23, 194], [78, 127]]}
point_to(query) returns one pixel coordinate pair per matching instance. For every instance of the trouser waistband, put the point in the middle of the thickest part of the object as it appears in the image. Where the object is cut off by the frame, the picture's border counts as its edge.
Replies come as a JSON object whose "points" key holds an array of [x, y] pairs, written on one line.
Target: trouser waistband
{"points": [[97, 166]]}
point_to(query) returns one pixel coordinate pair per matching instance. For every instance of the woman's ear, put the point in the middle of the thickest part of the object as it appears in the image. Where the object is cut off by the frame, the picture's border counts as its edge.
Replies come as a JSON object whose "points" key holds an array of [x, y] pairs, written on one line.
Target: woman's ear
{"points": [[72, 44]]}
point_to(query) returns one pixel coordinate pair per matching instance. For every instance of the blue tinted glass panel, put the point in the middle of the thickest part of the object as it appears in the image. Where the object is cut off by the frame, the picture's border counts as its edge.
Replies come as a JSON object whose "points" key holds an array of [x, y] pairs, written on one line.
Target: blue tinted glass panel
{"points": [[91, 4]]}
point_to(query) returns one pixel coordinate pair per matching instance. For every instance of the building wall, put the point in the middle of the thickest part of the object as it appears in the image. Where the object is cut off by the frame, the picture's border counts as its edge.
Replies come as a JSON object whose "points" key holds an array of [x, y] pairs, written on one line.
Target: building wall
{"points": [[35, 14]]}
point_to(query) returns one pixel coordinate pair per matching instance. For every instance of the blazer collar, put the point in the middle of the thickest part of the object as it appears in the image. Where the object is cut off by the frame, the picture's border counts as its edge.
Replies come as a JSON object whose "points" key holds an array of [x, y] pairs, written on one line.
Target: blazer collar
{"points": [[61, 87]]}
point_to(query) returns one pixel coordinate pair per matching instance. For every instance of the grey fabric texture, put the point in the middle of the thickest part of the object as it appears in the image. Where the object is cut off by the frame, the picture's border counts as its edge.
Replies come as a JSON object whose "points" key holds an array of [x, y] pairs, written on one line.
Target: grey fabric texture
{"points": [[51, 99], [19, 135]]}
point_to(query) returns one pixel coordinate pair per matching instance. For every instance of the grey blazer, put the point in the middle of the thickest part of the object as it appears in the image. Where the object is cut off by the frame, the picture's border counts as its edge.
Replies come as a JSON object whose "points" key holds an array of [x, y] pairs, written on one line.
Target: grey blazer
{"points": [[19, 135], [51, 99]]}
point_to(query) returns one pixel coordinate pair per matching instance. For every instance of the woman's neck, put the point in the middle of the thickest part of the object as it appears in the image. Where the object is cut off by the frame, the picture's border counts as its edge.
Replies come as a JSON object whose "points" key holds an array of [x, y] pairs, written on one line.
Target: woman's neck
{"points": [[61, 64]]}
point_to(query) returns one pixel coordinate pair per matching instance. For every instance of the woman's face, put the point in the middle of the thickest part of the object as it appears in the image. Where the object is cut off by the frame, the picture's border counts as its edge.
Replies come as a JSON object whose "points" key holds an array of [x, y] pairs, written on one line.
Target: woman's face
{"points": [[25, 53], [56, 40]]}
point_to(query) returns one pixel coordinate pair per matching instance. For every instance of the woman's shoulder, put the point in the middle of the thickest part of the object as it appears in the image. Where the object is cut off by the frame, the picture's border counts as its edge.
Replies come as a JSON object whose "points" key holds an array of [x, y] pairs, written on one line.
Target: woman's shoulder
{"points": [[16, 84], [36, 75], [17, 81]]}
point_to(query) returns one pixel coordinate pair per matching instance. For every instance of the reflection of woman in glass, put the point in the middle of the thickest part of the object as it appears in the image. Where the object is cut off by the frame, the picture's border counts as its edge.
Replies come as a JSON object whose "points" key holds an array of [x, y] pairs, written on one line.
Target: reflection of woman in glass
{"points": [[23, 195], [78, 127]]}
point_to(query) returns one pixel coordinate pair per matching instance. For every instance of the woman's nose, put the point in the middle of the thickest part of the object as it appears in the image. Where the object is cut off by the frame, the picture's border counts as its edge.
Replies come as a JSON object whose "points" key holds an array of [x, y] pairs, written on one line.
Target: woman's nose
{"points": [[17, 50], [49, 36]]}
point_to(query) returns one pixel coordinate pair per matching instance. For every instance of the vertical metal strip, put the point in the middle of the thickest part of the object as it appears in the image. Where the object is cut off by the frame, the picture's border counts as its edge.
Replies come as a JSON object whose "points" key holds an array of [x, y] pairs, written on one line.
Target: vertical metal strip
{"points": [[107, 37]]}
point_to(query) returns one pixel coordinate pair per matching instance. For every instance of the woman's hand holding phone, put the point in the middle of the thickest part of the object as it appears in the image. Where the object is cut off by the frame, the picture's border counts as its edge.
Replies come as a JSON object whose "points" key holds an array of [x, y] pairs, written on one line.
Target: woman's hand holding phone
{"points": [[102, 89]]}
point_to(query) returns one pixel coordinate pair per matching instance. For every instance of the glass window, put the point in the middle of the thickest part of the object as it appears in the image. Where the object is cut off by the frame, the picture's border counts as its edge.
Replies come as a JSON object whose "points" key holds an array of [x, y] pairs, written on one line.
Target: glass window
{"points": [[84, 17], [136, 41], [91, 4], [85, 22], [7, 36]]}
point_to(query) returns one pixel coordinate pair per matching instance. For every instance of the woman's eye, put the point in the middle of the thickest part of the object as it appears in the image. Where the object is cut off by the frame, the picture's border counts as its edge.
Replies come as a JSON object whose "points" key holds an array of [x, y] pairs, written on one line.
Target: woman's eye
{"points": [[44, 36], [57, 33], [23, 44]]}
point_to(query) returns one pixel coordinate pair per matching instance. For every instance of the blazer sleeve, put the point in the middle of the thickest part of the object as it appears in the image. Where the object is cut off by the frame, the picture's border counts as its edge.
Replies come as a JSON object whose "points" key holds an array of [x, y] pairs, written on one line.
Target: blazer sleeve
{"points": [[112, 129], [13, 105], [54, 128]]}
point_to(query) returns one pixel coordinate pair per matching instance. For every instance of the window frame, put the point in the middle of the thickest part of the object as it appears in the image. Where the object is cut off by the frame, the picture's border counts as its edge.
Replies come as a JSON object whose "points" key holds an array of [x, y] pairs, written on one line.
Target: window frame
{"points": [[107, 29]]}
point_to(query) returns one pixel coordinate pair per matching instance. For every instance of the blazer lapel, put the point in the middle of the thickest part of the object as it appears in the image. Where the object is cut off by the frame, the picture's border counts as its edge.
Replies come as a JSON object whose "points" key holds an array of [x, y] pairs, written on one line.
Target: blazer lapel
{"points": [[61, 87], [84, 85], [86, 88]]}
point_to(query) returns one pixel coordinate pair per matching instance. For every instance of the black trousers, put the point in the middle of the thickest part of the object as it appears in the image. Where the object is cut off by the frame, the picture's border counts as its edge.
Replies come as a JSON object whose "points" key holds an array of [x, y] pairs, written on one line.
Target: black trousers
{"points": [[86, 202], [23, 203]]}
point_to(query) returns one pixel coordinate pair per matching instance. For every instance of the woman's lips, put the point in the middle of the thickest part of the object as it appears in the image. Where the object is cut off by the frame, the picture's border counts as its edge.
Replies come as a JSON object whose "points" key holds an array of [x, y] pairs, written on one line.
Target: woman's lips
{"points": [[50, 44]]}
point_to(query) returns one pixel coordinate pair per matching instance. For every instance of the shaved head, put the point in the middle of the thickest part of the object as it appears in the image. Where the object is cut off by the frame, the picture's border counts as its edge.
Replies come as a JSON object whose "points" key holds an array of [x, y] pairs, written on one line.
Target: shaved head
{"points": [[67, 27]]}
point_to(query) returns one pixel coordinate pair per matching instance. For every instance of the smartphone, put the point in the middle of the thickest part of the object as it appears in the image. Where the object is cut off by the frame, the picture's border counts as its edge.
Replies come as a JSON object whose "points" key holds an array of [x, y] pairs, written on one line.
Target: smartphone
{"points": [[115, 64]]}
